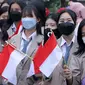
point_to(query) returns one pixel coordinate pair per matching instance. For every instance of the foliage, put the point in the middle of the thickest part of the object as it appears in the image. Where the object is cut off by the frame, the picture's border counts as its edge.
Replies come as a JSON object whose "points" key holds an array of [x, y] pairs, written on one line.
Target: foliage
{"points": [[53, 5]]}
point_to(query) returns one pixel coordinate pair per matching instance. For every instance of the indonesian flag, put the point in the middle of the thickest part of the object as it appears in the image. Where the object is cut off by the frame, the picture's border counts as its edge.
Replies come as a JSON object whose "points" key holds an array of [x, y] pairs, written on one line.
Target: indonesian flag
{"points": [[46, 58], [9, 59]]}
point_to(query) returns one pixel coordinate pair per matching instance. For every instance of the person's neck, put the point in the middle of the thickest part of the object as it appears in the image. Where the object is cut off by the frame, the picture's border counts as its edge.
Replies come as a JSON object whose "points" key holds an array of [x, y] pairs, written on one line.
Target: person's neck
{"points": [[68, 38], [29, 32]]}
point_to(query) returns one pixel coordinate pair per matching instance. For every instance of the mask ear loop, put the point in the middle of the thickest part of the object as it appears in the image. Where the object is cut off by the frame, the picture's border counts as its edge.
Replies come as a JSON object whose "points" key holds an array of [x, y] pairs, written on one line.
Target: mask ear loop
{"points": [[49, 33]]}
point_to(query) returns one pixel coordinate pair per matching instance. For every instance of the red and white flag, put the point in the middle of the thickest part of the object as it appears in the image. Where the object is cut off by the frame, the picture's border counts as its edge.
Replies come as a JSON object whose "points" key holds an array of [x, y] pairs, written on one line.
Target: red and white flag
{"points": [[46, 58], [9, 59]]}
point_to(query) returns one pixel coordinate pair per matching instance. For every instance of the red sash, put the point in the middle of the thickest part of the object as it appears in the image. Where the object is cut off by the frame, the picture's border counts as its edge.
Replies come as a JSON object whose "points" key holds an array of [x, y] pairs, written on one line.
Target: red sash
{"points": [[17, 29]]}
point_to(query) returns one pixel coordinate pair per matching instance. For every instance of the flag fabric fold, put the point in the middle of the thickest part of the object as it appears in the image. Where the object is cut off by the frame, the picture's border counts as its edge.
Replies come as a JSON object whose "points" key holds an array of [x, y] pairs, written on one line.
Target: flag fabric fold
{"points": [[9, 59], [47, 57]]}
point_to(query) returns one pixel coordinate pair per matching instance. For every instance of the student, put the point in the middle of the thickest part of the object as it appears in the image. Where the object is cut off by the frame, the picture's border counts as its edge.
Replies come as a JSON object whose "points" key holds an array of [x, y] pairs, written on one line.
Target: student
{"points": [[66, 22], [77, 63], [66, 25], [31, 34], [14, 18], [51, 22]]}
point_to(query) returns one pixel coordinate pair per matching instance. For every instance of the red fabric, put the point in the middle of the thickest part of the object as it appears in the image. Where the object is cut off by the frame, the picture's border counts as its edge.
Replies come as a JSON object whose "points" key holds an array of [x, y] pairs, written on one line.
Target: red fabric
{"points": [[17, 29], [4, 57], [43, 52], [47, 11], [60, 10]]}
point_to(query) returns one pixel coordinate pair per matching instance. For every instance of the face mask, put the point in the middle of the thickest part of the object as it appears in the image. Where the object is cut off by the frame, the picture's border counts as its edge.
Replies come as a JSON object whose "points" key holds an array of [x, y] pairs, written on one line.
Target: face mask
{"points": [[15, 16], [83, 38], [29, 23], [66, 28], [57, 33]]}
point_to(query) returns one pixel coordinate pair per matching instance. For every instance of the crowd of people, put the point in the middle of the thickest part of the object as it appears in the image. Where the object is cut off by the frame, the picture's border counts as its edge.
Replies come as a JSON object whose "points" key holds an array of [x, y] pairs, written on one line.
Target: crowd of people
{"points": [[24, 24]]}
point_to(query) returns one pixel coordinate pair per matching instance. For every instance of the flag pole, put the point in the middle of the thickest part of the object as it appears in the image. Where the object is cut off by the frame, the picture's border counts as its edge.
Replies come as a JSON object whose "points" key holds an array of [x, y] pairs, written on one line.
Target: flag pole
{"points": [[18, 50]]}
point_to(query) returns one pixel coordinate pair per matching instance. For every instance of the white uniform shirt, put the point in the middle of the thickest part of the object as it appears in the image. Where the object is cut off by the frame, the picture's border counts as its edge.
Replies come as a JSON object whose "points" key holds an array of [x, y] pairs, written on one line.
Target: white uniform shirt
{"points": [[27, 39], [63, 46]]}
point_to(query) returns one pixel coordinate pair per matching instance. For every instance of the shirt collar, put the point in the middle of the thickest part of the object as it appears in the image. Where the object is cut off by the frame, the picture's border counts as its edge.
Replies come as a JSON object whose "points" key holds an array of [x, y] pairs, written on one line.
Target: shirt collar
{"points": [[13, 27], [31, 36], [64, 41]]}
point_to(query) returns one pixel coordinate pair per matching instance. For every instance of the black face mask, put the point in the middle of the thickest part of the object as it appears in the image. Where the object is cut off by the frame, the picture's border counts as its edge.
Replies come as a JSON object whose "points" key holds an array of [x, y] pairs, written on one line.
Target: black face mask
{"points": [[15, 16], [66, 28], [57, 33]]}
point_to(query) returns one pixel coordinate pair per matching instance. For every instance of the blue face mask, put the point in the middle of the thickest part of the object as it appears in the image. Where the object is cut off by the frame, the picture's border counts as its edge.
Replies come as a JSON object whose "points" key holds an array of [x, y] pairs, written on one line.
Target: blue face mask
{"points": [[29, 23]]}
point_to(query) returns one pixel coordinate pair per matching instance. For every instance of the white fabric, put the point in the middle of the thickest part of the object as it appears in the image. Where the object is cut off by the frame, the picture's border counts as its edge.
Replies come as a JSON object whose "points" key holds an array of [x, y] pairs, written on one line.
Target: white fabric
{"points": [[76, 29], [20, 29], [83, 38], [63, 46], [51, 62], [24, 37], [10, 69]]}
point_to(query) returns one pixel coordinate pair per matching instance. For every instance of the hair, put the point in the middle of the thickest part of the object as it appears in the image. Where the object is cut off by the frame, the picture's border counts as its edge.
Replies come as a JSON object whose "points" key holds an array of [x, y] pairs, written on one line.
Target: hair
{"points": [[81, 44], [3, 3], [70, 12], [28, 11], [52, 16], [21, 4], [4, 9], [40, 6], [3, 32], [4, 35]]}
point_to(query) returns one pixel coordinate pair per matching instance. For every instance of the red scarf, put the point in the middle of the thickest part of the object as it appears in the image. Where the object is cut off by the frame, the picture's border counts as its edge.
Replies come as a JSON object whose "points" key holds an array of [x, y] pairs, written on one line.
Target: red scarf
{"points": [[17, 29]]}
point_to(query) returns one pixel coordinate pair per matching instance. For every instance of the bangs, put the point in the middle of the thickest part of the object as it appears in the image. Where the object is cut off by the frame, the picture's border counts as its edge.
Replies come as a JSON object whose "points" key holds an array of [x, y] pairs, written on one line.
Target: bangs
{"points": [[27, 13]]}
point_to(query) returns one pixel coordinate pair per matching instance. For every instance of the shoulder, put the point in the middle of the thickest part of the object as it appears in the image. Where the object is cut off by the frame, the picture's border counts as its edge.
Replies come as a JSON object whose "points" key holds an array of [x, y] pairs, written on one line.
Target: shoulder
{"points": [[15, 38], [59, 40], [39, 38]]}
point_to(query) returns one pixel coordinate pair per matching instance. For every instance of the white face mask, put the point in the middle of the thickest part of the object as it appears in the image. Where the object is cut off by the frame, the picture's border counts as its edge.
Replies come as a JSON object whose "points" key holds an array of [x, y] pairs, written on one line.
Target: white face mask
{"points": [[83, 38], [29, 23]]}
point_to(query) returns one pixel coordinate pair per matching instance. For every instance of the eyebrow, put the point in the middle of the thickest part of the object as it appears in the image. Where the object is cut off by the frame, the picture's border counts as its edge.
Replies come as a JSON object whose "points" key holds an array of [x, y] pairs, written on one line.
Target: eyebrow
{"points": [[63, 18], [83, 32]]}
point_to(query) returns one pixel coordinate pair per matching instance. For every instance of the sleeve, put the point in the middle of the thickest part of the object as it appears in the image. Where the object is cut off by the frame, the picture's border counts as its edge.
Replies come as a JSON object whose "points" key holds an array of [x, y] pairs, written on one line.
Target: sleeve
{"points": [[75, 67]]}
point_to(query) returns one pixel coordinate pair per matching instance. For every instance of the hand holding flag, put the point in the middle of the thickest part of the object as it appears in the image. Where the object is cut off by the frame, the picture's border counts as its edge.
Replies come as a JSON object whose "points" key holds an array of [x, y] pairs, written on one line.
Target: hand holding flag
{"points": [[9, 59], [47, 56]]}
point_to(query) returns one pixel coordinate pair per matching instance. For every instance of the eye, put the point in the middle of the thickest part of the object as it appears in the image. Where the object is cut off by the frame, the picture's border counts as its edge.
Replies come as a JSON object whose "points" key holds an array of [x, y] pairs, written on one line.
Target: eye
{"points": [[16, 9], [46, 24], [83, 33], [69, 20], [27, 15], [52, 24], [61, 21]]}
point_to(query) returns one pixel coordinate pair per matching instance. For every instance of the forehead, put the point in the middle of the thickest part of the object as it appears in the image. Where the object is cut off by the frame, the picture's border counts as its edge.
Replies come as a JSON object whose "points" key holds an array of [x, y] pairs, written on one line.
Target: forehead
{"points": [[5, 4], [15, 5], [50, 21], [65, 16]]}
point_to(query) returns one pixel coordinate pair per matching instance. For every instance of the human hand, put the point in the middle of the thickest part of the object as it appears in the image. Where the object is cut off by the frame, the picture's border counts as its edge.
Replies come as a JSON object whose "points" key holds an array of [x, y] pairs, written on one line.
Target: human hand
{"points": [[67, 72]]}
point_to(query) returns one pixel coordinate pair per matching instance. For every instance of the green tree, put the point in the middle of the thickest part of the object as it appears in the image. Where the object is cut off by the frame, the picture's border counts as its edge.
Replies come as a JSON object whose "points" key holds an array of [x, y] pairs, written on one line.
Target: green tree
{"points": [[53, 5]]}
